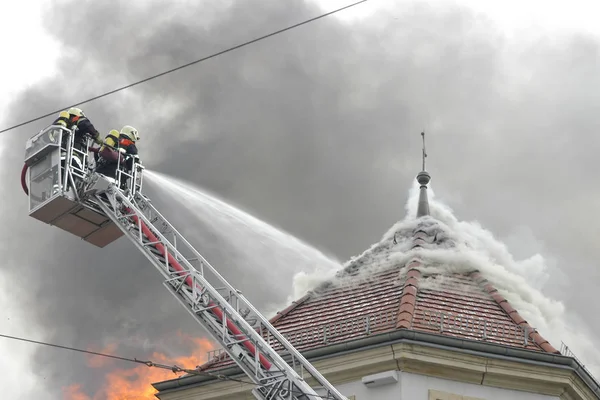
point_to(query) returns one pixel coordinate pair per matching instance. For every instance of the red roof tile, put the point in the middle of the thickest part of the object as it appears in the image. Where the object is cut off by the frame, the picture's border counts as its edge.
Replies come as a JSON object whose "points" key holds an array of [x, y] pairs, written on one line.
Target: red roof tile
{"points": [[460, 307], [400, 297]]}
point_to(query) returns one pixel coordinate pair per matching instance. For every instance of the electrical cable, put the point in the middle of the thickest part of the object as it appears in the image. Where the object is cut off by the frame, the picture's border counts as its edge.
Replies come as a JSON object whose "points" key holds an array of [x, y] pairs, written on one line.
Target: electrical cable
{"points": [[184, 66], [173, 368], [148, 363]]}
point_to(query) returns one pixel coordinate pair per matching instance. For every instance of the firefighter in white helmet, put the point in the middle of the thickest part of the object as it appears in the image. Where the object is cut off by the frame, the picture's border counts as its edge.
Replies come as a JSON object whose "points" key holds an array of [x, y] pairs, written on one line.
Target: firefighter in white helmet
{"points": [[118, 144]]}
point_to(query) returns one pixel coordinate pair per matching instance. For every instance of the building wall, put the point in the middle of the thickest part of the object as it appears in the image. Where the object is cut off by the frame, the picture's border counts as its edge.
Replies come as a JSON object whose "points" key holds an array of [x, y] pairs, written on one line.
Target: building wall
{"points": [[412, 386]]}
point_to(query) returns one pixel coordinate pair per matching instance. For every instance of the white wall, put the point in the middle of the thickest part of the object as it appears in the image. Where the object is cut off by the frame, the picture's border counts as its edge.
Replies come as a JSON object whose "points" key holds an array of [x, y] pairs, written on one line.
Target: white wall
{"points": [[416, 387]]}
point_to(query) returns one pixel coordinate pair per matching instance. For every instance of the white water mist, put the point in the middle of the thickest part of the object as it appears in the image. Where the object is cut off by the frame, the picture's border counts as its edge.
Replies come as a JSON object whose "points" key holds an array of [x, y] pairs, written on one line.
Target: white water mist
{"points": [[283, 259]]}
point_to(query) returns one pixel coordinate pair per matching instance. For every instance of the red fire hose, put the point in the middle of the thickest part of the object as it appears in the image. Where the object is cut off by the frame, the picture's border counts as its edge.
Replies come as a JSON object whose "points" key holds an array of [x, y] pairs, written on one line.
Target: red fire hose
{"points": [[24, 180]]}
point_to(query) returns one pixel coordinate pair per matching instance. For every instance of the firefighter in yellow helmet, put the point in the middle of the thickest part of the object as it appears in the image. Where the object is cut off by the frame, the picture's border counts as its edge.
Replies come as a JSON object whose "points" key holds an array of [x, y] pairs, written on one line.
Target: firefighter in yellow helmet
{"points": [[117, 144], [125, 139], [75, 117]]}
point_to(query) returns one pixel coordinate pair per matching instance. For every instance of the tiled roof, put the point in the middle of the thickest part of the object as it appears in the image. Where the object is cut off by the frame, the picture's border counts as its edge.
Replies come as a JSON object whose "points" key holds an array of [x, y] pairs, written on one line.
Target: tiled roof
{"points": [[331, 315], [469, 312], [382, 291]]}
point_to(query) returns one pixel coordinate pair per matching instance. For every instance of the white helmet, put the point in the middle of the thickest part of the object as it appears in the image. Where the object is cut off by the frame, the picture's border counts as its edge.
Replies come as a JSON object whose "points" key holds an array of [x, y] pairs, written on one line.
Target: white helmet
{"points": [[131, 133], [76, 111]]}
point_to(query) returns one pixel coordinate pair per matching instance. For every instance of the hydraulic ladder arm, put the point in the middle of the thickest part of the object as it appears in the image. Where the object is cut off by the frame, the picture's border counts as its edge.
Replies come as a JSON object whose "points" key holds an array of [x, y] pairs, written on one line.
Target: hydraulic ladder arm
{"points": [[215, 304], [264, 354]]}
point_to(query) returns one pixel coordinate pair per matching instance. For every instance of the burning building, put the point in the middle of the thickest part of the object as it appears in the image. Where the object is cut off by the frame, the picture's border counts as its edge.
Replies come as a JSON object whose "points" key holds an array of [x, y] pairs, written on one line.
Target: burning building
{"points": [[402, 322]]}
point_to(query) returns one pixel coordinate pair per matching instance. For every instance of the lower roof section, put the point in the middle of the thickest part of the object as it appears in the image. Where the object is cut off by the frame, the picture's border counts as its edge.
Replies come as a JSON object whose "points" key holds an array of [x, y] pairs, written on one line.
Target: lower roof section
{"points": [[435, 343]]}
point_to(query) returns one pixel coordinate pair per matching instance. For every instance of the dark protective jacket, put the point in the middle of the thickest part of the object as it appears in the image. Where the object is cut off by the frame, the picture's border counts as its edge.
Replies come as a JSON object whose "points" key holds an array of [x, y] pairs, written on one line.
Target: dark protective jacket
{"points": [[83, 125]]}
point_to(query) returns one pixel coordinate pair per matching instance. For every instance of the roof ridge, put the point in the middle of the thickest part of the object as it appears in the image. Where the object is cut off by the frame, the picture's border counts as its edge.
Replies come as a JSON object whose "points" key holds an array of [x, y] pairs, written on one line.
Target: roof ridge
{"points": [[513, 313], [408, 299], [290, 308]]}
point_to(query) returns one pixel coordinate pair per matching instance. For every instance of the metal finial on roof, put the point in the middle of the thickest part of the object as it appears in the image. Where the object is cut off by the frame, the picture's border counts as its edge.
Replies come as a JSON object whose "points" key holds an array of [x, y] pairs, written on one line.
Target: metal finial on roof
{"points": [[423, 178], [424, 152]]}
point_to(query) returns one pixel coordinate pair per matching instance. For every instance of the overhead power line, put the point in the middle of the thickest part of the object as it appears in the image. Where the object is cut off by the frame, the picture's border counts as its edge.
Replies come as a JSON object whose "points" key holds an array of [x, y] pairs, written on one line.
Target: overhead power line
{"points": [[184, 66], [173, 368]]}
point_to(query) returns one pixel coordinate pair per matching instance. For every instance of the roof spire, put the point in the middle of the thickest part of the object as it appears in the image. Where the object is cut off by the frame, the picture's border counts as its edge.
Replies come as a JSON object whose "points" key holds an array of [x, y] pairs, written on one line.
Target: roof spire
{"points": [[424, 152], [423, 178]]}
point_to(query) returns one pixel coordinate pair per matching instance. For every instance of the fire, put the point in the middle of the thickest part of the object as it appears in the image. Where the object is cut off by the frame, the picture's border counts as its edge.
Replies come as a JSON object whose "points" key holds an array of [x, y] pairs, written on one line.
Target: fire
{"points": [[73, 392], [135, 383], [95, 361]]}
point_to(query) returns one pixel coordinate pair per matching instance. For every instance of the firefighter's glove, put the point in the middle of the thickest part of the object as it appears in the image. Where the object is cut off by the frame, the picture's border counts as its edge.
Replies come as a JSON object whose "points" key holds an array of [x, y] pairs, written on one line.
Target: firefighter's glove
{"points": [[122, 150]]}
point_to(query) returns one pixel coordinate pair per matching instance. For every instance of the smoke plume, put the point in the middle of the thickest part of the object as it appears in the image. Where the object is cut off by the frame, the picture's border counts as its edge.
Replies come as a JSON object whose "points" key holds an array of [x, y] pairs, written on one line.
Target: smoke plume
{"points": [[315, 131]]}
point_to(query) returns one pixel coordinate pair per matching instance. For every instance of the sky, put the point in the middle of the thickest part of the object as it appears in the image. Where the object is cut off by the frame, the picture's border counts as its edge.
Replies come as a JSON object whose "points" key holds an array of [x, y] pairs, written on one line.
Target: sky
{"points": [[314, 131]]}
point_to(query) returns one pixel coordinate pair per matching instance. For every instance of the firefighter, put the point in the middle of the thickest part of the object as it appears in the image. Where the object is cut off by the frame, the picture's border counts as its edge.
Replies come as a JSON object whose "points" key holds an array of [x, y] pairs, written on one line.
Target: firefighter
{"points": [[118, 145], [74, 117], [70, 119]]}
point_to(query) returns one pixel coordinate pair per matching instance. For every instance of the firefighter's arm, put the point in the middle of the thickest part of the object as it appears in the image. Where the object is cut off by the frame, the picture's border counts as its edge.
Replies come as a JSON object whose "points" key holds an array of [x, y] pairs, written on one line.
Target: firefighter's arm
{"points": [[89, 127]]}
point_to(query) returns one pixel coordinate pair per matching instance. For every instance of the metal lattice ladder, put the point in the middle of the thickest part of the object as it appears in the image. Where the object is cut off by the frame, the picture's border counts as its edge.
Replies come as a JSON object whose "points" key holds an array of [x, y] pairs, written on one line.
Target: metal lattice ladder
{"points": [[264, 354]]}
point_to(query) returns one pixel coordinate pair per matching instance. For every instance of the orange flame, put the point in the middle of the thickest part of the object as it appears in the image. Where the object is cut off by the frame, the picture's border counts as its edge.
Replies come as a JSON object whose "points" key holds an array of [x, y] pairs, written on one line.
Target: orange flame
{"points": [[73, 392], [135, 383], [95, 361]]}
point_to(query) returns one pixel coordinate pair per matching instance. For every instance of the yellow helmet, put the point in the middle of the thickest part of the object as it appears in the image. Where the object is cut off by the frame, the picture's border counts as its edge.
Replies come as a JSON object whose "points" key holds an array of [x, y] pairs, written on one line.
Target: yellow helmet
{"points": [[76, 111], [131, 133]]}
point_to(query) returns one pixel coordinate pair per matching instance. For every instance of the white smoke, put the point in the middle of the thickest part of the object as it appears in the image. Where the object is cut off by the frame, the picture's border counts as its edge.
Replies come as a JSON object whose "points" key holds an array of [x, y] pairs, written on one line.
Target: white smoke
{"points": [[520, 281], [16, 362]]}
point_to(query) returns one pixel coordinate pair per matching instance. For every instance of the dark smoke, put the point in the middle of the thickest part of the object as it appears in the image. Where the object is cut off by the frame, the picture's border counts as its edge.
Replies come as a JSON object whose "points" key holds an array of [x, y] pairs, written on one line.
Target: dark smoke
{"points": [[315, 130]]}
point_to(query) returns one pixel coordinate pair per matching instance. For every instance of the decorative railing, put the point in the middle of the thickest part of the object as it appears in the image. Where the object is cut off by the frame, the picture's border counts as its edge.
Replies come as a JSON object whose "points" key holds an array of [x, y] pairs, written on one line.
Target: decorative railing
{"points": [[365, 325], [566, 351], [479, 328], [358, 326], [327, 333]]}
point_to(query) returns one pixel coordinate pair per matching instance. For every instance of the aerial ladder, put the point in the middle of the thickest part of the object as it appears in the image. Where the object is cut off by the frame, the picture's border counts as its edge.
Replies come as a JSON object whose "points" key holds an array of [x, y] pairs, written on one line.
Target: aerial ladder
{"points": [[65, 191]]}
